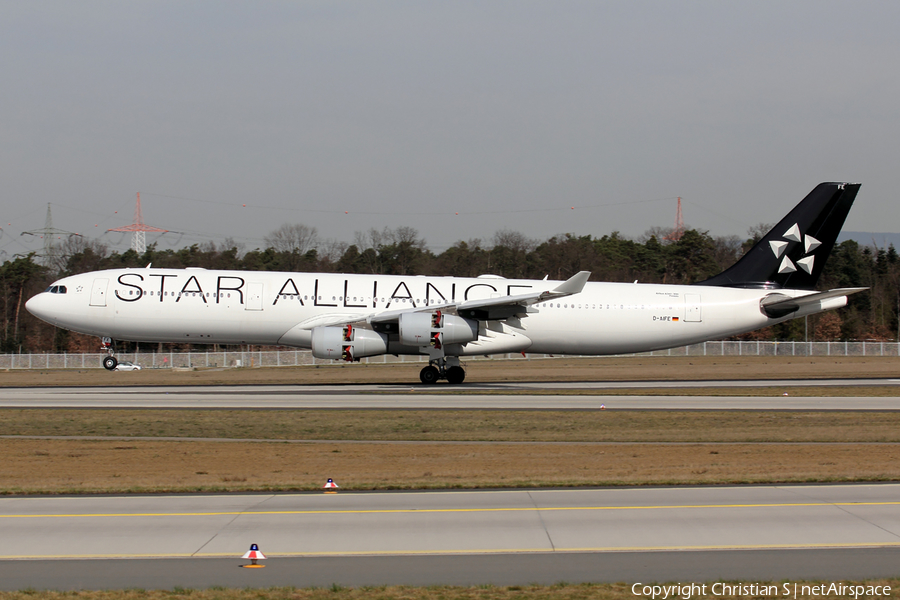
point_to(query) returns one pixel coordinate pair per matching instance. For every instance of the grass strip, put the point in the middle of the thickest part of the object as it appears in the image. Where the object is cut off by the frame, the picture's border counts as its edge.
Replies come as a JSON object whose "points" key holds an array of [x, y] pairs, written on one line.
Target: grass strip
{"points": [[562, 591], [75, 466], [827, 391], [604, 368], [463, 425]]}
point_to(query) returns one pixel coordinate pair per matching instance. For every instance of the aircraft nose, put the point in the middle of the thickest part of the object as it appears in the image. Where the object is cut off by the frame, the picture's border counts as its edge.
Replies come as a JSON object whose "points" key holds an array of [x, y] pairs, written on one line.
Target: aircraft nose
{"points": [[39, 306]]}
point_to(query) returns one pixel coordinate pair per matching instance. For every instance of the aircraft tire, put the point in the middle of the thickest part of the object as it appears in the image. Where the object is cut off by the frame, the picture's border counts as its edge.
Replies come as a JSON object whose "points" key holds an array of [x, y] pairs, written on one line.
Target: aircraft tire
{"points": [[455, 375], [109, 363], [429, 375]]}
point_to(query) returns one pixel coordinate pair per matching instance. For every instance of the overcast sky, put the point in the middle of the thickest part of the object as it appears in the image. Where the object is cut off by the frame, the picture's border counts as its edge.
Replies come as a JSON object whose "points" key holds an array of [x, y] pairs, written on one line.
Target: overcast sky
{"points": [[232, 119]]}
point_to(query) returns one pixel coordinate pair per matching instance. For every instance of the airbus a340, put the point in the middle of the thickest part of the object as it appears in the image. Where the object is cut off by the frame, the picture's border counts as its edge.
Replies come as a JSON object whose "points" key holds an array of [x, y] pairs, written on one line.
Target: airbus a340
{"points": [[347, 317]]}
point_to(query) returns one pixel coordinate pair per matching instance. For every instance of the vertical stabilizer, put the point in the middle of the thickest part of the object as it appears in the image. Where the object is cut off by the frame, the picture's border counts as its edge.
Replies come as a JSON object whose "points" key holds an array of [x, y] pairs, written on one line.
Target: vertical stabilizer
{"points": [[793, 254]]}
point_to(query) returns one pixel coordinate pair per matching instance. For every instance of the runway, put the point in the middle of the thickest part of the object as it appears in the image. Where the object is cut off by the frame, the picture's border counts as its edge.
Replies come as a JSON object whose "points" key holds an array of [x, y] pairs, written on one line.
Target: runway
{"points": [[506, 537], [573, 396], [510, 537]]}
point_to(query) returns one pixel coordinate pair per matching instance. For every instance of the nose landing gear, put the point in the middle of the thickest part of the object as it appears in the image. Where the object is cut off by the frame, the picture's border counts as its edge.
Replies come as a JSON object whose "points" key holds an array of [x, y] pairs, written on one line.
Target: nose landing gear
{"points": [[108, 346], [443, 368]]}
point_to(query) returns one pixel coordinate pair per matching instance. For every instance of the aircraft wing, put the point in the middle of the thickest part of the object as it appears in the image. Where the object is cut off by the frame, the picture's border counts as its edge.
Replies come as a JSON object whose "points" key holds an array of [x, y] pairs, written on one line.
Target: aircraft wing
{"points": [[488, 309], [491, 309], [502, 307], [780, 305]]}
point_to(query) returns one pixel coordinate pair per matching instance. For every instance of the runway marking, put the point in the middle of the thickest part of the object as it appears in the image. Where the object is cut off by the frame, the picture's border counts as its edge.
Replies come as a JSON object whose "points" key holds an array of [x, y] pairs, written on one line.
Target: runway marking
{"points": [[819, 546], [447, 510]]}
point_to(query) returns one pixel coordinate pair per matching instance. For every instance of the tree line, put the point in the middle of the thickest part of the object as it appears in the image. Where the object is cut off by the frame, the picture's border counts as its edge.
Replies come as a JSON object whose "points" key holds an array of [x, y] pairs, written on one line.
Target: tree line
{"points": [[652, 258]]}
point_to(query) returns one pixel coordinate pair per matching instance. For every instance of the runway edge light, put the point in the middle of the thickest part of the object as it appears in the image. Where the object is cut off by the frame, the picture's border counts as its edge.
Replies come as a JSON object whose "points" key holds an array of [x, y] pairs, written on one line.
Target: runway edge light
{"points": [[330, 486], [254, 555]]}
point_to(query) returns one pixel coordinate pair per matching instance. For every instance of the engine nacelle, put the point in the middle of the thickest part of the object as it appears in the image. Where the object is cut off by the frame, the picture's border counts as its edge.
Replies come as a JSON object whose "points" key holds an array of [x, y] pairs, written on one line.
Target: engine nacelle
{"points": [[436, 329], [347, 343]]}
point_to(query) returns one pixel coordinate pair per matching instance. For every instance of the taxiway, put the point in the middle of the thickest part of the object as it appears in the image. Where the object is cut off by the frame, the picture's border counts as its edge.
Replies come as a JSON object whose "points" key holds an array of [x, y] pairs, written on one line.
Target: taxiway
{"points": [[580, 395], [509, 536]]}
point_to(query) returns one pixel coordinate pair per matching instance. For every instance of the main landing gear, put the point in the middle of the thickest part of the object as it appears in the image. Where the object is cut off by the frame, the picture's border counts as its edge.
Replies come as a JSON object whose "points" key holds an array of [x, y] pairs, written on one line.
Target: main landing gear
{"points": [[109, 362], [443, 368]]}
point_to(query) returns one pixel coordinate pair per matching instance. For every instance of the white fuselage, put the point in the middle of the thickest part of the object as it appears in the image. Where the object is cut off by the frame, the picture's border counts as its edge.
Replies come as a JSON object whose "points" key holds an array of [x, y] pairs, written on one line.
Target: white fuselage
{"points": [[276, 308]]}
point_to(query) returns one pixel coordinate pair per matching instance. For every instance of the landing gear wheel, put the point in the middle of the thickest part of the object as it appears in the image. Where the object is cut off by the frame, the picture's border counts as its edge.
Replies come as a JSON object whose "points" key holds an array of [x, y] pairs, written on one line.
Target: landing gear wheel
{"points": [[455, 375], [429, 374], [109, 363]]}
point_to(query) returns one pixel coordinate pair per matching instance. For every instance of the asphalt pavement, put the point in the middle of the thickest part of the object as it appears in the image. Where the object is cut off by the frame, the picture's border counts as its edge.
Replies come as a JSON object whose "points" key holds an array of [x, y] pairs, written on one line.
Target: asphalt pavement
{"points": [[469, 537]]}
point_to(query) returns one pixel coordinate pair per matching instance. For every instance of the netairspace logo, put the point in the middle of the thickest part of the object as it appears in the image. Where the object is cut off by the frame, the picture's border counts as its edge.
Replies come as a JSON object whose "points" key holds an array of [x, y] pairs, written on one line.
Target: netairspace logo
{"points": [[686, 591]]}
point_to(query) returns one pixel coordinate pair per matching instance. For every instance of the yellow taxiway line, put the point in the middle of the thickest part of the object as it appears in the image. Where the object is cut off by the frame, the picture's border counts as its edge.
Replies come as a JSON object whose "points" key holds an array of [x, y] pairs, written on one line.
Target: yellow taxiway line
{"points": [[447, 510], [819, 546]]}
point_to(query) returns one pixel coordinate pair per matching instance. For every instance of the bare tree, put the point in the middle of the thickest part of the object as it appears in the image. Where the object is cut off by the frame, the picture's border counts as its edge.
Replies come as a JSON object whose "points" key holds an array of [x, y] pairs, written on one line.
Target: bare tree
{"points": [[229, 243], [332, 250], [407, 235], [296, 238], [514, 240], [77, 245], [375, 239], [660, 233], [728, 248], [509, 255], [759, 231]]}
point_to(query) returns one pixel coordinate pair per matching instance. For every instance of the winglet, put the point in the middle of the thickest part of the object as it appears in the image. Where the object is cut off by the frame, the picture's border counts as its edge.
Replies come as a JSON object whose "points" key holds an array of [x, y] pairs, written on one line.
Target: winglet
{"points": [[573, 284]]}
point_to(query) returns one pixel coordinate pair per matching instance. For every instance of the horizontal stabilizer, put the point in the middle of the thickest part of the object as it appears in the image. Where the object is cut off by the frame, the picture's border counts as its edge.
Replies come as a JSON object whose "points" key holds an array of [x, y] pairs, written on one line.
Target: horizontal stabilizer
{"points": [[780, 305]]}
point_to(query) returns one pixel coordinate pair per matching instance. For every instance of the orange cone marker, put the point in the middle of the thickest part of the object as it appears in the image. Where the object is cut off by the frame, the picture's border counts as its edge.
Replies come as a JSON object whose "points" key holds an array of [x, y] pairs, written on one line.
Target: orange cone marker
{"points": [[330, 486], [254, 555]]}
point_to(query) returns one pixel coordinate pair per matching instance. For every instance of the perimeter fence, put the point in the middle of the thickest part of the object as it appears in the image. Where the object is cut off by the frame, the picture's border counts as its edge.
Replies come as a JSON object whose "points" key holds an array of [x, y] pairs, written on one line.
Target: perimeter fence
{"points": [[296, 358]]}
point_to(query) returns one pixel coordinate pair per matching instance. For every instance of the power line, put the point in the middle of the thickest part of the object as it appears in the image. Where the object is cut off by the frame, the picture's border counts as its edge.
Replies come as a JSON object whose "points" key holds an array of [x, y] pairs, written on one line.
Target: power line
{"points": [[138, 229], [49, 233]]}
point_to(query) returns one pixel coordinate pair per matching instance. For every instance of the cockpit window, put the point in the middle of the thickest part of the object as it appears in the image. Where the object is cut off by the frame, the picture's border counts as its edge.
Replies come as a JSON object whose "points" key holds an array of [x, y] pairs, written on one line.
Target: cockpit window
{"points": [[56, 289]]}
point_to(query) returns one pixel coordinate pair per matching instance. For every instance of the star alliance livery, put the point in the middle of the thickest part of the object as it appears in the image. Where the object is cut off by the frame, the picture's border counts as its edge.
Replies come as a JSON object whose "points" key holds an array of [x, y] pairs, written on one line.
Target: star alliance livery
{"points": [[347, 317]]}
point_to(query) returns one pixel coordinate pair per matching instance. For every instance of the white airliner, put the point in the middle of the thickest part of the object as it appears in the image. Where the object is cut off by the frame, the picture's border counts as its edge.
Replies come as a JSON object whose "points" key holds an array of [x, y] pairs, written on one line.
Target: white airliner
{"points": [[347, 317]]}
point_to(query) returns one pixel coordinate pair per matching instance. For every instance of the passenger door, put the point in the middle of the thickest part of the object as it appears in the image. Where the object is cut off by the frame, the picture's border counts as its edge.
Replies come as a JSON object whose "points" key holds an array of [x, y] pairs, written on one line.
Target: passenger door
{"points": [[692, 308], [98, 292]]}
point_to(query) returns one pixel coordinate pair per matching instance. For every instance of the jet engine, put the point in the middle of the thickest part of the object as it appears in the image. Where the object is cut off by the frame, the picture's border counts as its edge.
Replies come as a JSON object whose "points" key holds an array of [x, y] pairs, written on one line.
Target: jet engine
{"points": [[347, 343], [436, 329]]}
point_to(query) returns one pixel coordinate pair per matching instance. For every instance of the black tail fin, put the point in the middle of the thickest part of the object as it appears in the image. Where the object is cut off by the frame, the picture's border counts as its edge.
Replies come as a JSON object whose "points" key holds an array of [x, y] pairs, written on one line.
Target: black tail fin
{"points": [[793, 254]]}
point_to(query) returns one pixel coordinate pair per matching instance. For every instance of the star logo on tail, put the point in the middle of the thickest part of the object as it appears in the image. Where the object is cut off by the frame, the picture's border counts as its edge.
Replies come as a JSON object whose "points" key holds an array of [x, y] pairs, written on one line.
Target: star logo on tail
{"points": [[809, 245]]}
